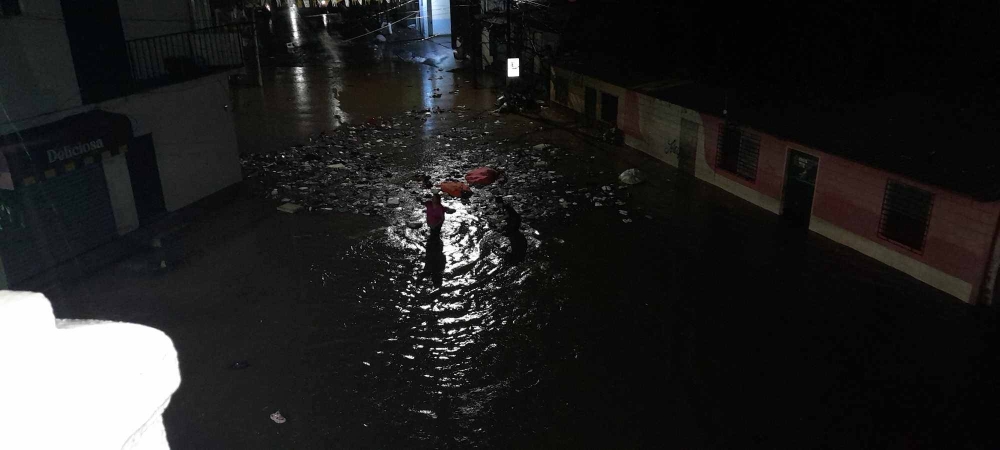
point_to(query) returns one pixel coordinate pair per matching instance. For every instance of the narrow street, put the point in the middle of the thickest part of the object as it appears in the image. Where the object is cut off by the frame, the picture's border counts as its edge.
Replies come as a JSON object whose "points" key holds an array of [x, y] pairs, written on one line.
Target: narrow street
{"points": [[673, 315]]}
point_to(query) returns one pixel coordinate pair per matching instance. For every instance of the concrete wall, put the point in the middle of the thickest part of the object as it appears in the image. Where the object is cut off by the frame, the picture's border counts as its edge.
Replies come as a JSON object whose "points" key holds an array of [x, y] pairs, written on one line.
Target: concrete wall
{"points": [[847, 205], [765, 189], [653, 126], [120, 192], [435, 16], [201, 13], [194, 138], [193, 133], [422, 23], [441, 16], [36, 65], [145, 18], [959, 237]]}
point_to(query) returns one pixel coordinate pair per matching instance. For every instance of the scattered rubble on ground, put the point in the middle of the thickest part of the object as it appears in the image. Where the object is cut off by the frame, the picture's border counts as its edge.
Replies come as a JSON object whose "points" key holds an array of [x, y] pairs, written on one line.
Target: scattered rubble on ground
{"points": [[290, 208], [614, 136], [631, 176], [239, 365], [370, 168], [517, 98]]}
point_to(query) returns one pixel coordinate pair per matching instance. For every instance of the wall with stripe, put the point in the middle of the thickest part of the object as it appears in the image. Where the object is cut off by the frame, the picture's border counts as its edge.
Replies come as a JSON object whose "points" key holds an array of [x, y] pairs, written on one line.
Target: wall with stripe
{"points": [[957, 257]]}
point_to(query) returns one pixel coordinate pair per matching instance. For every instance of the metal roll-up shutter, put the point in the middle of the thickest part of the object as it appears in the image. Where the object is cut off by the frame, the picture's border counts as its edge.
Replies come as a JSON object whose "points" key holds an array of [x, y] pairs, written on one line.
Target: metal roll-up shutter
{"points": [[46, 223]]}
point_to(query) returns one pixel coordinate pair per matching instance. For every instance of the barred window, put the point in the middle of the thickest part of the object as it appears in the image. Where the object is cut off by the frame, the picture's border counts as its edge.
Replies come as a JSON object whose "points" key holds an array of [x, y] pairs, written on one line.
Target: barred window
{"points": [[562, 90], [738, 151], [906, 213]]}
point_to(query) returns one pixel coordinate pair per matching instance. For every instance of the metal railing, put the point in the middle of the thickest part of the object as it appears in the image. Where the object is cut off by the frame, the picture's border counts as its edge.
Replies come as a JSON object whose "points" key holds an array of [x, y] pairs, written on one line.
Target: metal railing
{"points": [[162, 60]]}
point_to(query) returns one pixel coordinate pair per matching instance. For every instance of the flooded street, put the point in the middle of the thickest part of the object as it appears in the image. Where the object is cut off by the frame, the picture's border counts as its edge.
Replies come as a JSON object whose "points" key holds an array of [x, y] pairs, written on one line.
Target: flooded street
{"points": [[668, 314], [314, 81]]}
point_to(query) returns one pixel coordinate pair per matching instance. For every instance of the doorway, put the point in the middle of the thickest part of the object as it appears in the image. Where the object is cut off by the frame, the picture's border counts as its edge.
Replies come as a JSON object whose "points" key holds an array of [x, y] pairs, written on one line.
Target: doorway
{"points": [[609, 108], [590, 104], [800, 184], [687, 148], [145, 176]]}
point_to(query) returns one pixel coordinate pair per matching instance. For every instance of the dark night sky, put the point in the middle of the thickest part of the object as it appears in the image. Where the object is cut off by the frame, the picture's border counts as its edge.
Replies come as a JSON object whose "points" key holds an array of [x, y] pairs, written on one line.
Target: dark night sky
{"points": [[919, 76], [846, 47]]}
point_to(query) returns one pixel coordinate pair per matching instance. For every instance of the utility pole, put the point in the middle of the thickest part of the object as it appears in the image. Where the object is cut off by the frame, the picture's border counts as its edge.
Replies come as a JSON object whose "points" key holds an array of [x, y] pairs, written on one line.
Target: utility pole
{"points": [[475, 36], [256, 49], [510, 45]]}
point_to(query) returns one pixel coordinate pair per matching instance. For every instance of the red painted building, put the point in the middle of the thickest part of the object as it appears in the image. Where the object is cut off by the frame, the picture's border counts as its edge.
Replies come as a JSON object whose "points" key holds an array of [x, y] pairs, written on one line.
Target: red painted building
{"points": [[924, 214]]}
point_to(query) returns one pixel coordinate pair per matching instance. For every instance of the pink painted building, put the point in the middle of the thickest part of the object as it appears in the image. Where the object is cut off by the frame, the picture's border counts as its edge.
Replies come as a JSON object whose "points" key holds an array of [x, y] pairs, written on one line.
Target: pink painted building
{"points": [[923, 218]]}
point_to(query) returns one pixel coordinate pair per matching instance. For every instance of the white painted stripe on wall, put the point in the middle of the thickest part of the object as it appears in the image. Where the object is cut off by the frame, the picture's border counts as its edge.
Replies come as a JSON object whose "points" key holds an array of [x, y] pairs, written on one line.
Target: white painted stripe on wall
{"points": [[749, 194], [119, 184], [916, 269], [703, 170]]}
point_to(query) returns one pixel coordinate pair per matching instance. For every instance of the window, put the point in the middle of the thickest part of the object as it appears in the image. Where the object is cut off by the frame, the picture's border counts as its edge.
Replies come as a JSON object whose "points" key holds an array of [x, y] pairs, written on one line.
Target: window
{"points": [[738, 151], [609, 108], [10, 8], [562, 90], [906, 213]]}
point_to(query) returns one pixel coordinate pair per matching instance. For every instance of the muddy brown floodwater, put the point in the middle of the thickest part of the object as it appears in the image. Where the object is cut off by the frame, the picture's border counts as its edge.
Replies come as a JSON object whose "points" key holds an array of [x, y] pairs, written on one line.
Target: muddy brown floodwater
{"points": [[668, 314]]}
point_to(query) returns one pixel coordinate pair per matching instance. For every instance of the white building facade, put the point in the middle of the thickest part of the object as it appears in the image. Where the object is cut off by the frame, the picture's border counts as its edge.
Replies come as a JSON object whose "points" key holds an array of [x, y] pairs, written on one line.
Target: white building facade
{"points": [[114, 112]]}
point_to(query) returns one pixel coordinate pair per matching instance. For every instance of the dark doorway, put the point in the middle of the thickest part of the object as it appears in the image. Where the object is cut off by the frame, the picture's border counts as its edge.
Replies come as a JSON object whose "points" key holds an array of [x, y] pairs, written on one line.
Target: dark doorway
{"points": [[97, 43], [687, 149], [800, 184], [145, 175], [590, 104], [609, 108]]}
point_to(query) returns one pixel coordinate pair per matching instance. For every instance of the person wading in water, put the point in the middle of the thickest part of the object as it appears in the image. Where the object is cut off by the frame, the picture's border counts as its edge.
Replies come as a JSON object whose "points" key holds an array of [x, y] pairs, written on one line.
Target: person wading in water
{"points": [[435, 263], [436, 213]]}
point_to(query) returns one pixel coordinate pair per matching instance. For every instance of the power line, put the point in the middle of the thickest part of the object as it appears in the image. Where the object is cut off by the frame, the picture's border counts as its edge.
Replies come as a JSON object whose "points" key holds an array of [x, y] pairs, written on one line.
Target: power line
{"points": [[414, 16], [123, 19]]}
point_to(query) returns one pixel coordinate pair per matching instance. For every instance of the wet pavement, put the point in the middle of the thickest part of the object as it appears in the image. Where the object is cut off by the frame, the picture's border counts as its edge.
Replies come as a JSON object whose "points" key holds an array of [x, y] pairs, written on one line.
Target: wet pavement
{"points": [[321, 81], [672, 315]]}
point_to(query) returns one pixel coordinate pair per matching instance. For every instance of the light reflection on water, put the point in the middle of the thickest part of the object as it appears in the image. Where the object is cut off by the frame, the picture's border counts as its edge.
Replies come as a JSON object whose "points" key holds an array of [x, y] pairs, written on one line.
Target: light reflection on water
{"points": [[293, 21], [436, 340]]}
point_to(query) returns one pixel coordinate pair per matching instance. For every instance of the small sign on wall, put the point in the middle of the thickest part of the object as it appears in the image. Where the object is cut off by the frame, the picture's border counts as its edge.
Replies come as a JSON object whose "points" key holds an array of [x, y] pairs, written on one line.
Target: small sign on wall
{"points": [[513, 67]]}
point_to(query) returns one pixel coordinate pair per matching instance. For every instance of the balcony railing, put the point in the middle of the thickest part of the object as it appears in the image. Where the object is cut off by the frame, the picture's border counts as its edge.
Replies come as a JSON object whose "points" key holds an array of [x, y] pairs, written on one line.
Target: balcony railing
{"points": [[172, 58]]}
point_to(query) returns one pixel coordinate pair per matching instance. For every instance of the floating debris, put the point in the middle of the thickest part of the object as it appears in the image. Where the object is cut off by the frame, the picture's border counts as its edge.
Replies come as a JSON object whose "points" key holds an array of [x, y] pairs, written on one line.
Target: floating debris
{"points": [[290, 208], [631, 176]]}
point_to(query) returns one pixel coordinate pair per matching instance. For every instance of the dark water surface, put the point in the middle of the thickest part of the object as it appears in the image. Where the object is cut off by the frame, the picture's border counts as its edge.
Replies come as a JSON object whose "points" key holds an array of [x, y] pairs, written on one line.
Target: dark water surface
{"points": [[707, 324]]}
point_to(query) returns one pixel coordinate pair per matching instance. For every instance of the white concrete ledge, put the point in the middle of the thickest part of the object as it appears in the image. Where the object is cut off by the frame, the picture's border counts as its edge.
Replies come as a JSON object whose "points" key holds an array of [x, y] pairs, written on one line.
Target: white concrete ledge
{"points": [[746, 193], [81, 384], [916, 269]]}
